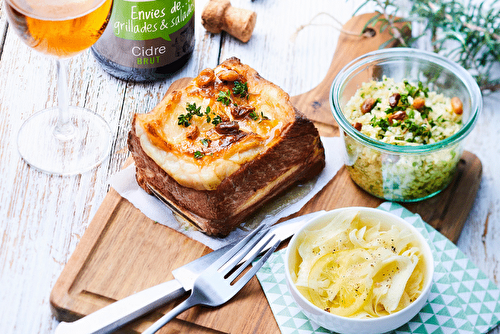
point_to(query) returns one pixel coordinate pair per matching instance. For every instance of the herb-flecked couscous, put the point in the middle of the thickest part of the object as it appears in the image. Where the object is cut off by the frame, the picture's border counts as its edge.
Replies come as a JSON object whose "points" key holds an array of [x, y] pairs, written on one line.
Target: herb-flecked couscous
{"points": [[404, 114]]}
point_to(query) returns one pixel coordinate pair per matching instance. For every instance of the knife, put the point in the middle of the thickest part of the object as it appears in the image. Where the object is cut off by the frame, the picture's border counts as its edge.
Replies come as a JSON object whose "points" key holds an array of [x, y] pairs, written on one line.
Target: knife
{"points": [[119, 313]]}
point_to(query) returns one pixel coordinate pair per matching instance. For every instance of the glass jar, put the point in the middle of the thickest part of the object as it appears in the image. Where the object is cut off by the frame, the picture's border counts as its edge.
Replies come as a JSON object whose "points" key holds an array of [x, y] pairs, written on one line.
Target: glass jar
{"points": [[404, 173]]}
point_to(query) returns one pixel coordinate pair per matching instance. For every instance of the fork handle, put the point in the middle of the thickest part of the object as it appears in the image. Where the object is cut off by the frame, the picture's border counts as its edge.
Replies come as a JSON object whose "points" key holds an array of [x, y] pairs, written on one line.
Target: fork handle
{"points": [[188, 303], [117, 314]]}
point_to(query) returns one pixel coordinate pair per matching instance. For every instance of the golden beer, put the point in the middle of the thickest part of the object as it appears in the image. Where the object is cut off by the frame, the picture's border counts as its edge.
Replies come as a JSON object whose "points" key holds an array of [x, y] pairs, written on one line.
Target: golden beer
{"points": [[59, 28]]}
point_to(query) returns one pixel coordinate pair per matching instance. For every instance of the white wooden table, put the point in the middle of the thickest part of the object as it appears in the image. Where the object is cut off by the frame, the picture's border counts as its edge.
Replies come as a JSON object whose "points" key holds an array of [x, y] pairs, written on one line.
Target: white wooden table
{"points": [[42, 217]]}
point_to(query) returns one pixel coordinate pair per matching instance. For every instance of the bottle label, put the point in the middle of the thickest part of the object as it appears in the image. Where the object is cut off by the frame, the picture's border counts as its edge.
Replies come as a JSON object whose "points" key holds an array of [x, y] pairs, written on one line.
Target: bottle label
{"points": [[147, 34], [150, 19]]}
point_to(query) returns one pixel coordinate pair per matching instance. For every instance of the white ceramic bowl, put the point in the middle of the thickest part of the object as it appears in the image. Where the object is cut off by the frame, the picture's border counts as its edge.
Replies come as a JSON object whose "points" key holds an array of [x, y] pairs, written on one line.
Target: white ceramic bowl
{"points": [[351, 325]]}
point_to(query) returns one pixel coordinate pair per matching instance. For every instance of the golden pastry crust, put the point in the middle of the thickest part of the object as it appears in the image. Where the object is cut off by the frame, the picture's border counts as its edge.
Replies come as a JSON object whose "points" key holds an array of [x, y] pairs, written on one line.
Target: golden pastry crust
{"points": [[261, 115], [239, 149]]}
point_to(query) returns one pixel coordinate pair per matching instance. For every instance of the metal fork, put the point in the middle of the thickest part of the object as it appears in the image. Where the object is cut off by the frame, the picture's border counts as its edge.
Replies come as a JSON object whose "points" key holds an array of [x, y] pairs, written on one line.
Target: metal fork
{"points": [[214, 286]]}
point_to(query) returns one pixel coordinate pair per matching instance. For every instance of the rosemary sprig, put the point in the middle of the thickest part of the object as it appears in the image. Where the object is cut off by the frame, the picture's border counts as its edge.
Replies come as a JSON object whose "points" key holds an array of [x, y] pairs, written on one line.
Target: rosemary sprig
{"points": [[465, 32], [388, 19]]}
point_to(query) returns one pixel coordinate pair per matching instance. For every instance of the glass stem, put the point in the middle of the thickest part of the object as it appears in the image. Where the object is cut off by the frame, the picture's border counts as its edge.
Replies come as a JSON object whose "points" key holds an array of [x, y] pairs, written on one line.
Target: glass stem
{"points": [[65, 129]]}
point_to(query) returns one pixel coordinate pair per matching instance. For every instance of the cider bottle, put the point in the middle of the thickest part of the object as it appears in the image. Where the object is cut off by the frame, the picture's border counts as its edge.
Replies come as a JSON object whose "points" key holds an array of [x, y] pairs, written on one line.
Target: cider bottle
{"points": [[147, 40]]}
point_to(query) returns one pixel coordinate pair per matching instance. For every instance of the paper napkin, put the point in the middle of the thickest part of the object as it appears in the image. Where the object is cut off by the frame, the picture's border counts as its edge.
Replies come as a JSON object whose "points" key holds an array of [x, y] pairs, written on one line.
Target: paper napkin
{"points": [[462, 298], [125, 184]]}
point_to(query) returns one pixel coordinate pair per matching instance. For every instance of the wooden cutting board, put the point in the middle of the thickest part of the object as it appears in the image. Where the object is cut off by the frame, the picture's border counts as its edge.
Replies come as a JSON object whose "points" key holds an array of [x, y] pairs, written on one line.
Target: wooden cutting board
{"points": [[123, 252]]}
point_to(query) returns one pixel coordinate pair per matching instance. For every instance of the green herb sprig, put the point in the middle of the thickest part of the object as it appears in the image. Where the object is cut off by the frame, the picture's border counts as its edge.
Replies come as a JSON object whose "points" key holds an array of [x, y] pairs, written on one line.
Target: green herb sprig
{"points": [[184, 119], [241, 89], [474, 29], [193, 110], [466, 32], [255, 116], [224, 97]]}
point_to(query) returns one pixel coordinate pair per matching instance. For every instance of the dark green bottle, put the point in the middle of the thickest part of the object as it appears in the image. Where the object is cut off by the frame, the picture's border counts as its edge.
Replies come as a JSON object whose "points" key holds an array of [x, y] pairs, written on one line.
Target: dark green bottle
{"points": [[147, 40]]}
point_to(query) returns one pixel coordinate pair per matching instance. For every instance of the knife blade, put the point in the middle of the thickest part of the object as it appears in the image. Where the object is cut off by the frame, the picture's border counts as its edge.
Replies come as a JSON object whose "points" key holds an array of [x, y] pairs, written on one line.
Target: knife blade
{"points": [[119, 313]]}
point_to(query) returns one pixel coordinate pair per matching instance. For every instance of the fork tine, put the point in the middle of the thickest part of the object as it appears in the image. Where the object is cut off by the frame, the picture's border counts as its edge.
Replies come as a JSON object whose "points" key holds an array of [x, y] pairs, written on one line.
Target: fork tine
{"points": [[249, 274], [252, 256], [247, 249], [230, 253]]}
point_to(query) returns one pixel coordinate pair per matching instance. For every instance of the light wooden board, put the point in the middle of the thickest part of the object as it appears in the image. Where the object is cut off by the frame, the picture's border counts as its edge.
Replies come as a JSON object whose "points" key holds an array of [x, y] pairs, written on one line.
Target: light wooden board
{"points": [[123, 252]]}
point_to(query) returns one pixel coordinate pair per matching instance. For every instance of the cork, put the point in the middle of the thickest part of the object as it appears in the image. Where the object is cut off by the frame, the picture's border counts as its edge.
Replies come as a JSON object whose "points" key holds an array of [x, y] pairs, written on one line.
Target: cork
{"points": [[219, 16]]}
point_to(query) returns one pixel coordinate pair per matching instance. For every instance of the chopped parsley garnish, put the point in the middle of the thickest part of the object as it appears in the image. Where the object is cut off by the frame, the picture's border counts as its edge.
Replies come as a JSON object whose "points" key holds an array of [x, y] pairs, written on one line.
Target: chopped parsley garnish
{"points": [[404, 100], [198, 155], [224, 97], [422, 89], [383, 123], [425, 111], [415, 91], [241, 89], [408, 124], [416, 130], [393, 110]]}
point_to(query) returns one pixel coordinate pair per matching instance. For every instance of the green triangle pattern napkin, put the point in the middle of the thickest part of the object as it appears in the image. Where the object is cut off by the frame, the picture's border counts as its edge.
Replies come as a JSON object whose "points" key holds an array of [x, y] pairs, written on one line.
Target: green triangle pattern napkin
{"points": [[462, 299]]}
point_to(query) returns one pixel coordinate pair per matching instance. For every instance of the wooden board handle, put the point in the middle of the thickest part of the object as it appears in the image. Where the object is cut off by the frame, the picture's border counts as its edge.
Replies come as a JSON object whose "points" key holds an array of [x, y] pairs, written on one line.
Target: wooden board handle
{"points": [[315, 104]]}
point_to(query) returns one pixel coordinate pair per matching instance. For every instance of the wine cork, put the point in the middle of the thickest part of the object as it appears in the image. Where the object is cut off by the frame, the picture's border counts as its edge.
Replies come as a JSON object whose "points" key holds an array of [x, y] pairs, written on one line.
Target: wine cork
{"points": [[219, 15]]}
